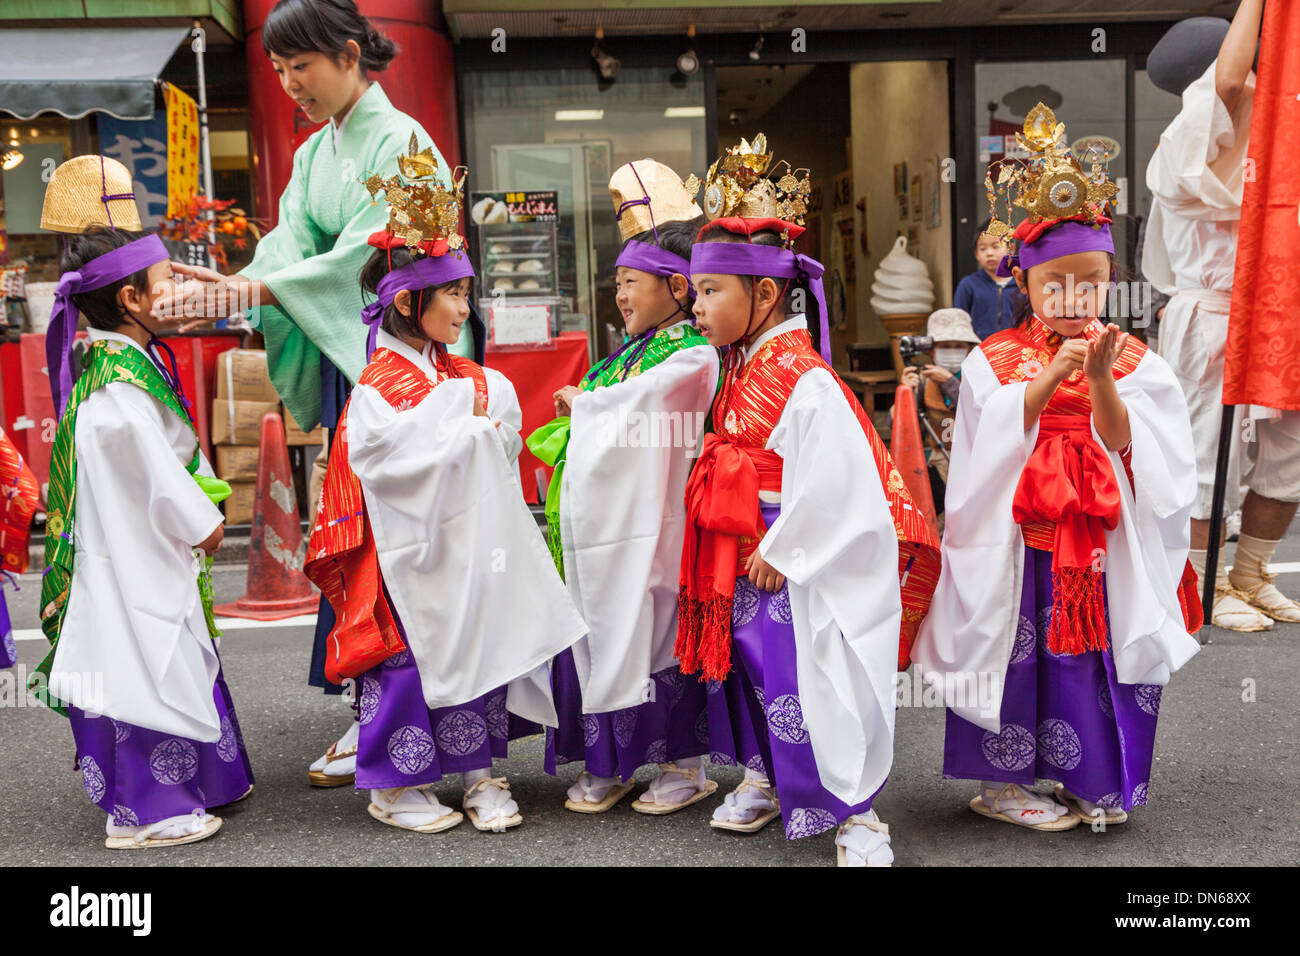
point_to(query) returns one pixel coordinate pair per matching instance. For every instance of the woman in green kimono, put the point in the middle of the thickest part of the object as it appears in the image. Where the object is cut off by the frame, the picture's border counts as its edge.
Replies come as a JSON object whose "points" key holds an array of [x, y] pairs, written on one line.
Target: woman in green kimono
{"points": [[304, 277]]}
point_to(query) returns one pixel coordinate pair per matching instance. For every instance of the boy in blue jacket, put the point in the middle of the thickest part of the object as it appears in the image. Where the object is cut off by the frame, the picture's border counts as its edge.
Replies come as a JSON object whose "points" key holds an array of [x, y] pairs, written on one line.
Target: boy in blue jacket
{"points": [[988, 299]]}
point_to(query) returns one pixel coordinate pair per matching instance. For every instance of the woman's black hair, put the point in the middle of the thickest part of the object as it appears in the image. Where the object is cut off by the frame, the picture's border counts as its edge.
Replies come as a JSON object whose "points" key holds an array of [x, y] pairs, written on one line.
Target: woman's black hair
{"points": [[394, 322], [325, 26], [100, 306]]}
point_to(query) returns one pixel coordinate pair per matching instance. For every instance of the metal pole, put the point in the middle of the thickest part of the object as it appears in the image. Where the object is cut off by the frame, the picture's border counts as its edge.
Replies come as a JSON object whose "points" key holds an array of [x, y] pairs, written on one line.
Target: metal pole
{"points": [[198, 44], [1216, 514]]}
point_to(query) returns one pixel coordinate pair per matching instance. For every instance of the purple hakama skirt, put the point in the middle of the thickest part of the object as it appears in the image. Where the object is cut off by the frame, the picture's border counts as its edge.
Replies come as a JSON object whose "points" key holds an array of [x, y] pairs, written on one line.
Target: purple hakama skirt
{"points": [[672, 726], [405, 744], [8, 649], [754, 715], [142, 776], [1064, 717]]}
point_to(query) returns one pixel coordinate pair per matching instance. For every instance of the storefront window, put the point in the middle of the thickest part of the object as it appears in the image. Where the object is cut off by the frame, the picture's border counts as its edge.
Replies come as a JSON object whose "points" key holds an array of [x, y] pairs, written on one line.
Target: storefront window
{"points": [[555, 130], [39, 144]]}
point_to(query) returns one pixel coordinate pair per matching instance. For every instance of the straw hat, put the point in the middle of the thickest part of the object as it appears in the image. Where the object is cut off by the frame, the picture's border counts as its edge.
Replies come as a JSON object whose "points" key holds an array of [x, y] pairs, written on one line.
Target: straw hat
{"points": [[74, 198], [951, 325], [669, 199]]}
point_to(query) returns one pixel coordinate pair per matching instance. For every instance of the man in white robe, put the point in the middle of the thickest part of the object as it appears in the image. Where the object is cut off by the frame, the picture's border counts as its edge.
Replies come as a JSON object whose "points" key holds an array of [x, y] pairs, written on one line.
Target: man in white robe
{"points": [[1196, 177]]}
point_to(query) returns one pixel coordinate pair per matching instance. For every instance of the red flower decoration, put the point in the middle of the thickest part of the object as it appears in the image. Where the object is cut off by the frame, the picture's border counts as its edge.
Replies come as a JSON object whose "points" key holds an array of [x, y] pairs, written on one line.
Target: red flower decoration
{"points": [[387, 240]]}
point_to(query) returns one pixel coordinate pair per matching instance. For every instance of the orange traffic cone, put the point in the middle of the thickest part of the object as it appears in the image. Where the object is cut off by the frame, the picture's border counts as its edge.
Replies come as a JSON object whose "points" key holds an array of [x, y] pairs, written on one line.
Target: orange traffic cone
{"points": [[908, 451], [277, 588]]}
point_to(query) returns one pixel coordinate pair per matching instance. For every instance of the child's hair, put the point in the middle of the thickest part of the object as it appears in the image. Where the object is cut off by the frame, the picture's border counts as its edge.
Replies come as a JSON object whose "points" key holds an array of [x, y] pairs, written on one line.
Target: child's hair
{"points": [[100, 306], [394, 322], [325, 26], [676, 237]]}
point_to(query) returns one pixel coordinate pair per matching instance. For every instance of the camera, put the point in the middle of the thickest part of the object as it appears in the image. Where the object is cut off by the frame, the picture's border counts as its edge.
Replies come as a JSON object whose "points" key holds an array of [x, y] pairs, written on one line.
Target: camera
{"points": [[910, 346]]}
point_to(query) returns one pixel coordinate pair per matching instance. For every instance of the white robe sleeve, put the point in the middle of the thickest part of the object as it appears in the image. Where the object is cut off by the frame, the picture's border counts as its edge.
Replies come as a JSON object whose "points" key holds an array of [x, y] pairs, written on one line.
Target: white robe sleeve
{"points": [[468, 573], [835, 542], [503, 407], [631, 448], [1147, 551], [964, 644], [134, 644]]}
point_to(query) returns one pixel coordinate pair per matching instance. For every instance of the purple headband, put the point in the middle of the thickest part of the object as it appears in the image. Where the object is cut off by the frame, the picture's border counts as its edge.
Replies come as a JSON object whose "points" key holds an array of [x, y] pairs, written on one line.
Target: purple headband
{"points": [[658, 262], [111, 267], [433, 270], [747, 259], [1062, 240]]}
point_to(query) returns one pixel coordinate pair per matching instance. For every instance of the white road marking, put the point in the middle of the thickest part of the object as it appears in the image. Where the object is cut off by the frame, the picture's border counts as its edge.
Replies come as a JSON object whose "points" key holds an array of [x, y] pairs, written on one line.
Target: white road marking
{"points": [[223, 624]]}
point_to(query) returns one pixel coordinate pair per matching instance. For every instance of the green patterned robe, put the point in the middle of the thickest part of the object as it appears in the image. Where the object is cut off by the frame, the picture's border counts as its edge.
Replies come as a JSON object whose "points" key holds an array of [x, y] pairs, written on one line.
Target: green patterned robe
{"points": [[106, 361]]}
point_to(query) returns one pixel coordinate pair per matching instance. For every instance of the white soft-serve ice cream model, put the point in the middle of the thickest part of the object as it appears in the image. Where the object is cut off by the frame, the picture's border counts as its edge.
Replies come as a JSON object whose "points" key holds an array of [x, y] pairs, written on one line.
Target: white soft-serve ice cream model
{"points": [[902, 285]]}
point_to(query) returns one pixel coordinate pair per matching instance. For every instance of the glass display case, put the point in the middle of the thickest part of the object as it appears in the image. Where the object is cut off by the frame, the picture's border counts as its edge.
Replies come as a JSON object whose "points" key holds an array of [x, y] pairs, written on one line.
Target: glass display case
{"points": [[515, 235]]}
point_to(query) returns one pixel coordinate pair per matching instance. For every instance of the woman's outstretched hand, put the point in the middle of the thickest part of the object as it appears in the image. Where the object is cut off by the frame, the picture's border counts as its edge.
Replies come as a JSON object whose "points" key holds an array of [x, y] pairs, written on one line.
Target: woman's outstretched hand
{"points": [[202, 295]]}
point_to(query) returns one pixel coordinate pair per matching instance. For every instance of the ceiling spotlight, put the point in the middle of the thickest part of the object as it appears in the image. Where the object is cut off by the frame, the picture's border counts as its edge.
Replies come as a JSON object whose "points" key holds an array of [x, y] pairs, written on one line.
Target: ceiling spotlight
{"points": [[757, 52], [10, 158], [688, 61], [606, 66], [736, 117]]}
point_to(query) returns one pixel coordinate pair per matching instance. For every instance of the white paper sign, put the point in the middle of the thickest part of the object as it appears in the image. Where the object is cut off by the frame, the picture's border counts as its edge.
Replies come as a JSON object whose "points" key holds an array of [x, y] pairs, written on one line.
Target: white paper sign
{"points": [[521, 324]]}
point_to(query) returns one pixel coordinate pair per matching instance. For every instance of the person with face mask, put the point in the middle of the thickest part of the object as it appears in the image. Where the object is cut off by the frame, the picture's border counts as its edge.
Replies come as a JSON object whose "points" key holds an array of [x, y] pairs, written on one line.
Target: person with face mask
{"points": [[954, 337]]}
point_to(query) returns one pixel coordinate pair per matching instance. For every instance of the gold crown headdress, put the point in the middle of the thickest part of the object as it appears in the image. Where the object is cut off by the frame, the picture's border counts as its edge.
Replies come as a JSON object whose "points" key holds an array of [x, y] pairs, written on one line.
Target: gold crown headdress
{"points": [[738, 185], [420, 208], [647, 193], [1052, 184]]}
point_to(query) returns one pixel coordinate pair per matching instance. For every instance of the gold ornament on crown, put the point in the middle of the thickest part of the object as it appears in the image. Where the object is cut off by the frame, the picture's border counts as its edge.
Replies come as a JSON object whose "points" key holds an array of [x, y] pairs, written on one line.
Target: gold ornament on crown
{"points": [[420, 208], [738, 184], [1052, 183]]}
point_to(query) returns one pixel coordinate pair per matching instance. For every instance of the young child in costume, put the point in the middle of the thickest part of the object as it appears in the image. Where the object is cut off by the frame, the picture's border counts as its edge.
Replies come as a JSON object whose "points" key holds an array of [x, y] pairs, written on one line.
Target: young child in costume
{"points": [[806, 568], [615, 517], [19, 495], [1072, 482], [125, 600], [447, 607]]}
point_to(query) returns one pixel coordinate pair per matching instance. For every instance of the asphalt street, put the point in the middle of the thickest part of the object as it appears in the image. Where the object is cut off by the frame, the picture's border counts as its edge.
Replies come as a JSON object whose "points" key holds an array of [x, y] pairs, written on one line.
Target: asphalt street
{"points": [[1226, 767]]}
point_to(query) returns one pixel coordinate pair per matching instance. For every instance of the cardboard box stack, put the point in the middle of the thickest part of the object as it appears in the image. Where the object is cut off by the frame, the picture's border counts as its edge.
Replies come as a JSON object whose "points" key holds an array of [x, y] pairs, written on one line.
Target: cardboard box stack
{"points": [[244, 395]]}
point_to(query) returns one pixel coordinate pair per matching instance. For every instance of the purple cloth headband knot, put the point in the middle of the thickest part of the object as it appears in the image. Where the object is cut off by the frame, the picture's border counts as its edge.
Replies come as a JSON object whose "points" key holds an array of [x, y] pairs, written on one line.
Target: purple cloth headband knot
{"points": [[106, 269], [747, 259], [658, 262], [1058, 241], [430, 271]]}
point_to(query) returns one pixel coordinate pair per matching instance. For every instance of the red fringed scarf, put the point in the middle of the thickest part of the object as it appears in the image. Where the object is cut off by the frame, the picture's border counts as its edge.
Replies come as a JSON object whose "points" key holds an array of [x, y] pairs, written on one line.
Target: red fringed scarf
{"points": [[721, 508], [1069, 481]]}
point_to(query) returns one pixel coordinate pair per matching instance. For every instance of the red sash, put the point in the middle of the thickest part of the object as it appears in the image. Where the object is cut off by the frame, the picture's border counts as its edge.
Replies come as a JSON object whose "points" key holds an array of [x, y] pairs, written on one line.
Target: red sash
{"points": [[342, 558], [1068, 493], [1069, 481], [723, 518], [722, 510]]}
